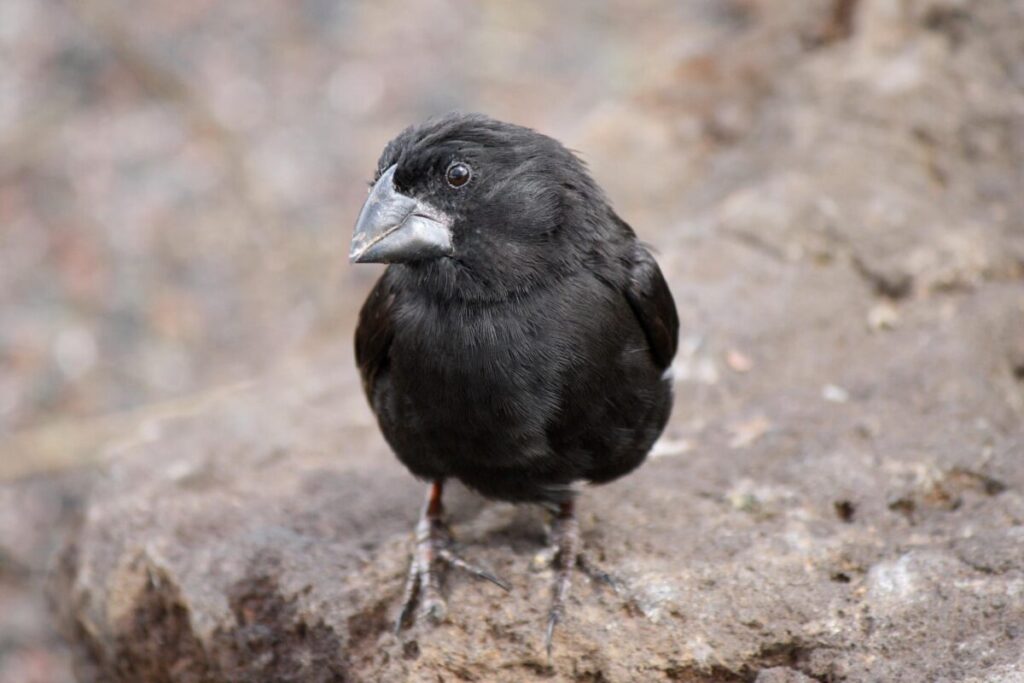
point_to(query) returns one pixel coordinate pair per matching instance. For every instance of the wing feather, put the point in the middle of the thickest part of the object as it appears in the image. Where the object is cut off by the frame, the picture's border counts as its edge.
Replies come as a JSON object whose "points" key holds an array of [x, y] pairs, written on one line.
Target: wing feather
{"points": [[651, 299]]}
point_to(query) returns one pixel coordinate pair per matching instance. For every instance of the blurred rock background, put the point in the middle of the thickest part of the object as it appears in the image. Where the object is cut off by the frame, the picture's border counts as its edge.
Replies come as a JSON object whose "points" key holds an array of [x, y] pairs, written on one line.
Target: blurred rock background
{"points": [[178, 182]]}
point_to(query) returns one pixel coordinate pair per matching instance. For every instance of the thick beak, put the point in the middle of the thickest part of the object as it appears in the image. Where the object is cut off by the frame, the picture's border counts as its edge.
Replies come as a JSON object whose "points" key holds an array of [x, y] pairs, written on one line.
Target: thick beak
{"points": [[394, 228]]}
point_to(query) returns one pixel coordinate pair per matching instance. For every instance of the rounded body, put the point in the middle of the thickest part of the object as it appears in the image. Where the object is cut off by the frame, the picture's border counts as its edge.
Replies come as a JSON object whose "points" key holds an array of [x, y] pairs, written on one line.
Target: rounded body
{"points": [[520, 398]]}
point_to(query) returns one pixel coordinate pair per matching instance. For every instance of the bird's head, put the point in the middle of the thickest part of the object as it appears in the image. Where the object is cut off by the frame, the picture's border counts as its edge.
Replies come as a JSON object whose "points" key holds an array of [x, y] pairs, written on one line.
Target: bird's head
{"points": [[477, 201]]}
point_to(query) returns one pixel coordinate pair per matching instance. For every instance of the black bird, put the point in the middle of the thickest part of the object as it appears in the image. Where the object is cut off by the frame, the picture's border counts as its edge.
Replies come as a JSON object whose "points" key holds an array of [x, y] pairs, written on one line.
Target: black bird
{"points": [[519, 341]]}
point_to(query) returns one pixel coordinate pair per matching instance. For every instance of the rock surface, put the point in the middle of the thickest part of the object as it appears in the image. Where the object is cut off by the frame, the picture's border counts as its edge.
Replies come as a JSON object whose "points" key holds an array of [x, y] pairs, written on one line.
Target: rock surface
{"points": [[840, 493]]}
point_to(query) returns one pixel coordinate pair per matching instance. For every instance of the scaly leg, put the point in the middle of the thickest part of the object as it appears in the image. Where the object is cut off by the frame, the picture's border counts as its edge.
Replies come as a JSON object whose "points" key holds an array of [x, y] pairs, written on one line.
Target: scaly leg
{"points": [[565, 557], [565, 536], [433, 546]]}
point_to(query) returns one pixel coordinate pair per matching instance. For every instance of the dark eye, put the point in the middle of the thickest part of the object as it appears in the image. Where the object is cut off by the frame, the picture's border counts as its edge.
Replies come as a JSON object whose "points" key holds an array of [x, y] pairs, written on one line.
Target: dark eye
{"points": [[457, 174]]}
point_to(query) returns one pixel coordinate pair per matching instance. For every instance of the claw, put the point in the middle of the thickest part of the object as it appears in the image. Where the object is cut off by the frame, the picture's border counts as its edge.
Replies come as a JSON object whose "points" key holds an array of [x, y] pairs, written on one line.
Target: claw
{"points": [[408, 599], [476, 570], [553, 620], [597, 574]]}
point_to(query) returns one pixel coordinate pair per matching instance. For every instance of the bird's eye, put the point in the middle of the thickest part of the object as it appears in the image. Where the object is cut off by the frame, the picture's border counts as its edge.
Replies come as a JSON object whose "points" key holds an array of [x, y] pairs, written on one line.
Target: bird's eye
{"points": [[457, 174]]}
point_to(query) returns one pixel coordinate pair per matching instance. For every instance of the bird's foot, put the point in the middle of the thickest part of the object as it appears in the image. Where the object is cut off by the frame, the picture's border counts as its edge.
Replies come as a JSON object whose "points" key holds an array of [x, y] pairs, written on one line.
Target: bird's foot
{"points": [[434, 546], [545, 559], [565, 537], [564, 555]]}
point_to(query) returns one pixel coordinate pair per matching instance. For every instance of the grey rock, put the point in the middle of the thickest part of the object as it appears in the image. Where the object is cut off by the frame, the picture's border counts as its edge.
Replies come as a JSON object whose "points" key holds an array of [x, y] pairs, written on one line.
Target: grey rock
{"points": [[781, 674]]}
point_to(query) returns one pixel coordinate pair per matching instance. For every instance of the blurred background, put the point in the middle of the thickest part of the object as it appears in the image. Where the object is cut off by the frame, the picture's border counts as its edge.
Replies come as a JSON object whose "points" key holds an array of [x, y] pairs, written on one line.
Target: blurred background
{"points": [[178, 183]]}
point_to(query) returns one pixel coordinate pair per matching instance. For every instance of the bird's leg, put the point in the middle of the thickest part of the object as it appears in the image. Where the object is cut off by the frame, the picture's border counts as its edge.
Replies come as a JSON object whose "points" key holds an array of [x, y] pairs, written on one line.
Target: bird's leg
{"points": [[434, 545], [565, 536], [565, 555]]}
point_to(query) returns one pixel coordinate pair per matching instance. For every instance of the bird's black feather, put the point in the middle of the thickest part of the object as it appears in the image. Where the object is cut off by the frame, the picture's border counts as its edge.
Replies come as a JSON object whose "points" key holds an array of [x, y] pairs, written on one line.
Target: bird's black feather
{"points": [[373, 336], [533, 356], [651, 299]]}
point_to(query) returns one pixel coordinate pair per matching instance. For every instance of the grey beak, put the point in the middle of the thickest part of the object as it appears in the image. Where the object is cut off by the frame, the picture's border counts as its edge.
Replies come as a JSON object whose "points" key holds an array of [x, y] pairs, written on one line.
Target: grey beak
{"points": [[394, 228]]}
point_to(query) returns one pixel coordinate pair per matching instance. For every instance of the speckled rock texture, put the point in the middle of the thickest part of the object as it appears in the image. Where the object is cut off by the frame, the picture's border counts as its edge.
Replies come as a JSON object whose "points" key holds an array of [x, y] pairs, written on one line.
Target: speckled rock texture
{"points": [[838, 497]]}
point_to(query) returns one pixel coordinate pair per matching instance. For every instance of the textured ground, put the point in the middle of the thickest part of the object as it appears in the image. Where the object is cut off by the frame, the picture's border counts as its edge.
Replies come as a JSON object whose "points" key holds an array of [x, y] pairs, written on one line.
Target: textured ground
{"points": [[839, 496]]}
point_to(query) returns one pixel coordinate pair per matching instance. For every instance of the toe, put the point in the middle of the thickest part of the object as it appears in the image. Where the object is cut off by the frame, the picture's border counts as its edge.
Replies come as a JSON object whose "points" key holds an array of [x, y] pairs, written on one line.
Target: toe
{"points": [[434, 609], [549, 635], [544, 559], [474, 569]]}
